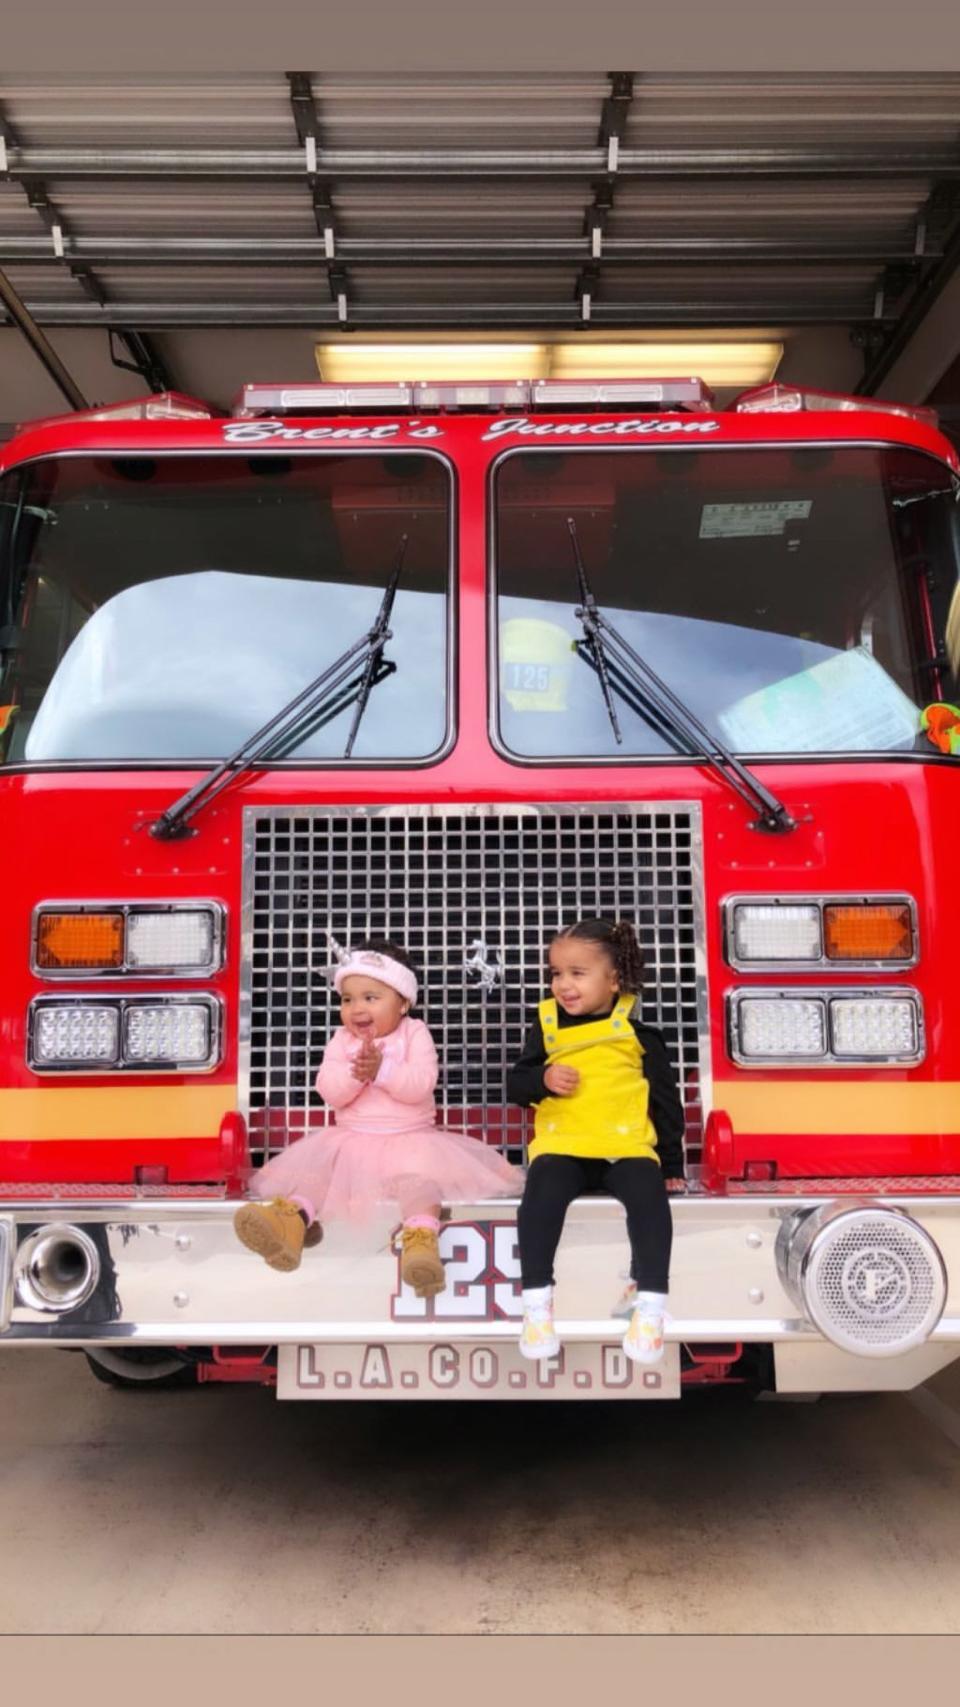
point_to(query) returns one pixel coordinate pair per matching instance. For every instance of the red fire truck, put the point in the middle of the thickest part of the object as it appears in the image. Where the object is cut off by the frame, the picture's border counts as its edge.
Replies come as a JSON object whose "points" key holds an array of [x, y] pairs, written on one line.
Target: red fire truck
{"points": [[452, 664]]}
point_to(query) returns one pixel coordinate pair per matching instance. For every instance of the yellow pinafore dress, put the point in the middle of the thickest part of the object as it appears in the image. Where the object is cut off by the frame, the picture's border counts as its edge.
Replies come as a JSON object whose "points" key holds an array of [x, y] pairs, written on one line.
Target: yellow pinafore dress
{"points": [[608, 1115]]}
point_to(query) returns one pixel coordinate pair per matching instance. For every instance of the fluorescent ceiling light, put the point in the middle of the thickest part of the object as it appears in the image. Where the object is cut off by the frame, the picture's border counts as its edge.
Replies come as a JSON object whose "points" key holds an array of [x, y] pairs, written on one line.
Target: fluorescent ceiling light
{"points": [[352, 363], [737, 363], [718, 363]]}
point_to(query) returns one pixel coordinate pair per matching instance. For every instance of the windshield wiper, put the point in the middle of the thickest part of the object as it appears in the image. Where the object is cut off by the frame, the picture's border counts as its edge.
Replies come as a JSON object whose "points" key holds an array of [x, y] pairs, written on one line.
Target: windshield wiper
{"points": [[334, 689], [378, 636], [610, 652]]}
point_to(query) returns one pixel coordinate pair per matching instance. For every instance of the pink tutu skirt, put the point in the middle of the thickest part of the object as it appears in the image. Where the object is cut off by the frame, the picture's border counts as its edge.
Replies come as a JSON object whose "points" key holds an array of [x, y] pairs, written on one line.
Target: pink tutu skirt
{"points": [[346, 1173]]}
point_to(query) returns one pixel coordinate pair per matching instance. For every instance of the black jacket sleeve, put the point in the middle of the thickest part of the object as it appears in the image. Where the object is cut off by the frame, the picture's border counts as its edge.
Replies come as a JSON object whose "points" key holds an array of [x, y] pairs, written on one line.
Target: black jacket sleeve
{"points": [[525, 1078], [666, 1109]]}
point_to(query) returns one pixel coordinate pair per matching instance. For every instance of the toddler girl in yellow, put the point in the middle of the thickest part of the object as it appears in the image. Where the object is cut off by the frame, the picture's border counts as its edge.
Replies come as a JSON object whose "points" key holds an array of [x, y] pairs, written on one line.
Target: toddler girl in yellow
{"points": [[608, 1117]]}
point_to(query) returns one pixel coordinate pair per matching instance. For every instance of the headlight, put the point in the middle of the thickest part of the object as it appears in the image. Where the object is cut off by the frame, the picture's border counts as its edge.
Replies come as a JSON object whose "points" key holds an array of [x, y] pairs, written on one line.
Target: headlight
{"points": [[776, 932], [179, 1032], [825, 1028], [145, 939], [865, 1026], [71, 1036], [83, 1034], [775, 1027]]}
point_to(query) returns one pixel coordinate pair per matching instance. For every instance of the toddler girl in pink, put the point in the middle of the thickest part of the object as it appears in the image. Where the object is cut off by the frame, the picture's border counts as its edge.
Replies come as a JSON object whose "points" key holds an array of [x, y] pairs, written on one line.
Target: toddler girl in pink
{"points": [[378, 1074]]}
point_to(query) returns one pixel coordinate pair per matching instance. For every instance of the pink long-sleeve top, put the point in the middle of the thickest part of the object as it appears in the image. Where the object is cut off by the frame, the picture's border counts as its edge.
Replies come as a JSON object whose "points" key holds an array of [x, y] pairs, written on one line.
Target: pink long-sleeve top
{"points": [[400, 1098]]}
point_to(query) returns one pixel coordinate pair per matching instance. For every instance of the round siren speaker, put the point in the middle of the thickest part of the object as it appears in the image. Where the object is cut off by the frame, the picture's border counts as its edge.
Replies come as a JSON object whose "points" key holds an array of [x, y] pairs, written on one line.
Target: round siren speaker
{"points": [[871, 1279]]}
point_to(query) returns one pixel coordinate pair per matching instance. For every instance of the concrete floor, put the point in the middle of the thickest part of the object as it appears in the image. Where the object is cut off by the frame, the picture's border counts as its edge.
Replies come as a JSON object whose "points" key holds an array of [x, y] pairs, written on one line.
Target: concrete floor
{"points": [[220, 1510]]}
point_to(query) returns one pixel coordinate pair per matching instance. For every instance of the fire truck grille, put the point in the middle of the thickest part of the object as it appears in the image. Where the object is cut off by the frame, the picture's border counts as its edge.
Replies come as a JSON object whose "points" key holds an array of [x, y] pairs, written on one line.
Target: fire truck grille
{"points": [[473, 893]]}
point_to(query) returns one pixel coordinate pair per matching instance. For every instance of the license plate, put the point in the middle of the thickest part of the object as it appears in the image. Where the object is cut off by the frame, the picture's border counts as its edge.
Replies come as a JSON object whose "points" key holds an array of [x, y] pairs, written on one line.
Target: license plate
{"points": [[470, 1369]]}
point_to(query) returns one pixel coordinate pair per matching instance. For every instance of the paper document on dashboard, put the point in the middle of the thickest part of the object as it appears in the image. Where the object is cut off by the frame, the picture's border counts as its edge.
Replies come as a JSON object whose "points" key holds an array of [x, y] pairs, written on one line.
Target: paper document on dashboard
{"points": [[846, 704]]}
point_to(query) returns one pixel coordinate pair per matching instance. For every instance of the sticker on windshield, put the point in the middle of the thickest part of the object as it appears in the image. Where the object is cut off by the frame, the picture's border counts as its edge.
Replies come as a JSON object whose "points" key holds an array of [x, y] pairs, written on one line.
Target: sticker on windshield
{"points": [[534, 664], [749, 521]]}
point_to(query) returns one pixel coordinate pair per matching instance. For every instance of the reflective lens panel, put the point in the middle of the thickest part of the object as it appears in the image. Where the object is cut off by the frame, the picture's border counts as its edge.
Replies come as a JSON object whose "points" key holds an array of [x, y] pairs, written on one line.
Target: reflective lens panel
{"points": [[774, 1027], [79, 940], [179, 1032], [73, 1035], [869, 931], [863, 1027], [449, 395], [171, 940], [776, 933]]}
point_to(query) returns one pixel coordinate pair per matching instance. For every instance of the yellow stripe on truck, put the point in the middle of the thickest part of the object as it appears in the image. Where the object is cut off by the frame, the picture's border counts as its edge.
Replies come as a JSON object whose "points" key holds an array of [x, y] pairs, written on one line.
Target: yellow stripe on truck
{"points": [[819, 1105], [190, 1111], [114, 1111]]}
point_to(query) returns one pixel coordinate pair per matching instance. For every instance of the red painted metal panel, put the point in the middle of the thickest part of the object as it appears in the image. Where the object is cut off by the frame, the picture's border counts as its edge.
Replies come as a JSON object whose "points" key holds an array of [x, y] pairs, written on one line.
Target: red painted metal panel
{"points": [[865, 826]]}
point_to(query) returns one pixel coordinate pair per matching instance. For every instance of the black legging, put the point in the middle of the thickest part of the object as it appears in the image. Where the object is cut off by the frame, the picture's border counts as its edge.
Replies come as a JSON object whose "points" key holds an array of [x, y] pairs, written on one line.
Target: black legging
{"points": [[636, 1181]]}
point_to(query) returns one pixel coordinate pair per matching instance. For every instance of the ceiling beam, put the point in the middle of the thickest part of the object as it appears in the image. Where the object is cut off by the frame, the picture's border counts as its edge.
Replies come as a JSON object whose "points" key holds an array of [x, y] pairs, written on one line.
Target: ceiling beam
{"points": [[613, 129], [306, 117], [884, 352], [50, 216], [668, 163], [116, 251], [157, 313], [304, 107]]}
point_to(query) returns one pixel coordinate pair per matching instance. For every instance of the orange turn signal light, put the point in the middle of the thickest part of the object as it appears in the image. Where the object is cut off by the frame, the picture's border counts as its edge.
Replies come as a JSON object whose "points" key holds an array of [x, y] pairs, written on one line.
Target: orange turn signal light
{"points": [[80, 940], [869, 931]]}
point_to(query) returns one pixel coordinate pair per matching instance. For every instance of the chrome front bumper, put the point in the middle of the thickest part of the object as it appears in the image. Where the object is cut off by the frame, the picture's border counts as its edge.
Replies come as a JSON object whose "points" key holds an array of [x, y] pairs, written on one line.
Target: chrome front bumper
{"points": [[173, 1273]]}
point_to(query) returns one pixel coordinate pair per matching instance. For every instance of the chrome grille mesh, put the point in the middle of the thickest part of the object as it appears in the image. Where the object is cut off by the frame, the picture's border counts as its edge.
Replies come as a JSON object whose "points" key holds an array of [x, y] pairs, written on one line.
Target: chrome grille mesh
{"points": [[440, 880]]}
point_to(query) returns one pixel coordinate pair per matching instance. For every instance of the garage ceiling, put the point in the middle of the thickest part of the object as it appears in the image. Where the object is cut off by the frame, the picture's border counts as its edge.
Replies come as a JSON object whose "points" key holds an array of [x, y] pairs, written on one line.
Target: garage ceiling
{"points": [[613, 202]]}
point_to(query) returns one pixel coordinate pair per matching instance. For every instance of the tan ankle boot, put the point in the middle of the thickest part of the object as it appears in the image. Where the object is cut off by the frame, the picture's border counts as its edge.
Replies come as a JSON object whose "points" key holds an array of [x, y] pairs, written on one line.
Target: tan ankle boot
{"points": [[274, 1230], [420, 1264]]}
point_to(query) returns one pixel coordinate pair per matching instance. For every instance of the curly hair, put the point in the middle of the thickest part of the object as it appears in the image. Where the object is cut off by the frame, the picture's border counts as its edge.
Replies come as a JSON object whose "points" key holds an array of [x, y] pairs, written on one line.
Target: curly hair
{"points": [[619, 940]]}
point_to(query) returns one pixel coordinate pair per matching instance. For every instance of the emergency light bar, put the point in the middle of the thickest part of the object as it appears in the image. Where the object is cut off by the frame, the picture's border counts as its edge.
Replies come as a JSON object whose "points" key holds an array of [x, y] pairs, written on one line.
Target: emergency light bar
{"points": [[159, 406], [473, 394], [789, 400], [480, 395], [656, 393], [320, 398]]}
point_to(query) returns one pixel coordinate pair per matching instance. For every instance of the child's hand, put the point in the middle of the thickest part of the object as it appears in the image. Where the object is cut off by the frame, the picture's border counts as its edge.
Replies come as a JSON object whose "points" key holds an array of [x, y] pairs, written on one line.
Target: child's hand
{"points": [[675, 1185], [561, 1081], [366, 1066]]}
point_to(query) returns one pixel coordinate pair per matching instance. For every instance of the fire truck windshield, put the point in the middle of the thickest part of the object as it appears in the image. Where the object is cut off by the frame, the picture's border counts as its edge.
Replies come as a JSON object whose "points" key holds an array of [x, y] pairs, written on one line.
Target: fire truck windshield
{"points": [[793, 597], [162, 608]]}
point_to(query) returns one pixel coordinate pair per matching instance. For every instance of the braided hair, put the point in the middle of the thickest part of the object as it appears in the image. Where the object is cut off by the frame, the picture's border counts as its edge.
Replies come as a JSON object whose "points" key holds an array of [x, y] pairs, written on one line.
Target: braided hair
{"points": [[619, 940]]}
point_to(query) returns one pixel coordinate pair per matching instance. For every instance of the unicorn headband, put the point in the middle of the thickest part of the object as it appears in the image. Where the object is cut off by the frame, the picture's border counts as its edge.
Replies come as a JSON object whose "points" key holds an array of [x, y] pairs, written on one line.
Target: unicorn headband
{"points": [[351, 961]]}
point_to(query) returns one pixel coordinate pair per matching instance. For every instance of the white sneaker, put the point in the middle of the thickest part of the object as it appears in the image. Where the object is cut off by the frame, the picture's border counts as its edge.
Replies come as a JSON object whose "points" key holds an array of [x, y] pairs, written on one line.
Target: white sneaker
{"points": [[643, 1341], [627, 1301], [538, 1336]]}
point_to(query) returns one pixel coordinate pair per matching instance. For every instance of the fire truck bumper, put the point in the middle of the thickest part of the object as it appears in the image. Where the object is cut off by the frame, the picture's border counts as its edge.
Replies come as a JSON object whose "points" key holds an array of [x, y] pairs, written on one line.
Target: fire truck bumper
{"points": [[852, 1290]]}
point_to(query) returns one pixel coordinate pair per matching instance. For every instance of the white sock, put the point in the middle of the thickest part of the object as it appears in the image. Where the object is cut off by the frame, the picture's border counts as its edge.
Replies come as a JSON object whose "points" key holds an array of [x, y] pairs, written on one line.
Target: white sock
{"points": [[652, 1303], [537, 1297]]}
